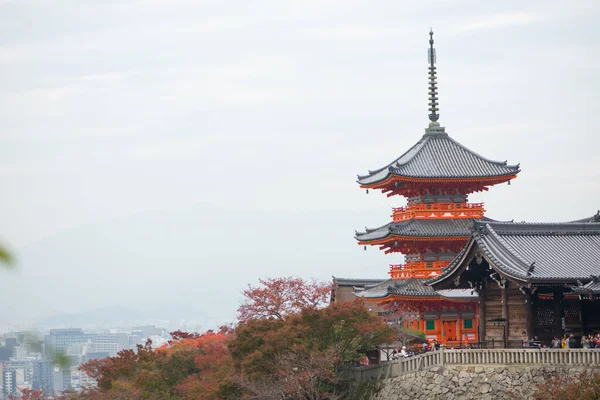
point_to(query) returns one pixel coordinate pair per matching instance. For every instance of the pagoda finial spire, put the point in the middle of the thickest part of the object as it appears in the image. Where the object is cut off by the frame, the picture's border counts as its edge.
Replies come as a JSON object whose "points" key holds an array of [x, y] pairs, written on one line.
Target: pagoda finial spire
{"points": [[433, 104]]}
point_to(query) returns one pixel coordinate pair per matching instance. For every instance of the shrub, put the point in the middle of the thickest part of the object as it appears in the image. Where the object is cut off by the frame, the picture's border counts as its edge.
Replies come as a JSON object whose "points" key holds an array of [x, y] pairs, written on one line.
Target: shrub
{"points": [[585, 386]]}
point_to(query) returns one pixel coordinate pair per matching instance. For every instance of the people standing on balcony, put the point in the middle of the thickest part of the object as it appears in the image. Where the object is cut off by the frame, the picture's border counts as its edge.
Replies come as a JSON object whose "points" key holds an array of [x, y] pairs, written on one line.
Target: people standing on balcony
{"points": [[524, 339], [563, 342], [555, 344], [571, 342], [403, 352], [585, 342]]}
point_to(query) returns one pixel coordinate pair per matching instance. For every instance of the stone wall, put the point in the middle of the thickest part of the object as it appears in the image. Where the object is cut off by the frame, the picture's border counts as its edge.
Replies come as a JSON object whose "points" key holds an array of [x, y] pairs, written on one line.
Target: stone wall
{"points": [[470, 382]]}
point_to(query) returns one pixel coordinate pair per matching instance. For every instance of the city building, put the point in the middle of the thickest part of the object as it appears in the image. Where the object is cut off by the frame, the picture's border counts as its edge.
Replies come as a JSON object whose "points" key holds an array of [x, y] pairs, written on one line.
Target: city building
{"points": [[42, 376], [6, 350], [9, 382], [110, 343], [59, 341]]}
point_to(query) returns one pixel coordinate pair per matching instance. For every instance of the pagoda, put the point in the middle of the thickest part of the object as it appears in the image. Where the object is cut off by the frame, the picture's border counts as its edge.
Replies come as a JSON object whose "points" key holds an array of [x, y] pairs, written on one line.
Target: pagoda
{"points": [[436, 176]]}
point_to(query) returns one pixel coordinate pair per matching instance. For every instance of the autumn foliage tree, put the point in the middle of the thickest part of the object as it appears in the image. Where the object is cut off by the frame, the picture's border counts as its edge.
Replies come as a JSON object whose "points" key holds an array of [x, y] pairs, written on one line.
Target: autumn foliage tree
{"points": [[301, 357], [280, 297], [291, 349], [28, 394], [586, 386], [193, 366]]}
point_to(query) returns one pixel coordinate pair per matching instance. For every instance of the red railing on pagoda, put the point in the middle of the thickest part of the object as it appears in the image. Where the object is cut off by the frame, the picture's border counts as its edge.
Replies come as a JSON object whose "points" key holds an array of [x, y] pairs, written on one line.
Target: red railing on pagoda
{"points": [[417, 269], [438, 211]]}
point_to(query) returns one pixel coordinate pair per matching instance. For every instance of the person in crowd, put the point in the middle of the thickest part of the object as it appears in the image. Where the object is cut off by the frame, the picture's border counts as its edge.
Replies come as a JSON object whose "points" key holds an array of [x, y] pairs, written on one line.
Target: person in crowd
{"points": [[563, 342], [555, 344], [394, 355], [365, 361], [403, 352], [571, 342], [425, 347], [436, 345], [585, 342], [524, 339]]}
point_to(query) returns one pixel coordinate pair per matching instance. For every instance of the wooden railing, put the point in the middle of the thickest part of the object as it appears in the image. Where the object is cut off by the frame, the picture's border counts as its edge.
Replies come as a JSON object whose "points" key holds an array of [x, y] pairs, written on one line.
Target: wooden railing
{"points": [[438, 210], [489, 357], [396, 368], [417, 269]]}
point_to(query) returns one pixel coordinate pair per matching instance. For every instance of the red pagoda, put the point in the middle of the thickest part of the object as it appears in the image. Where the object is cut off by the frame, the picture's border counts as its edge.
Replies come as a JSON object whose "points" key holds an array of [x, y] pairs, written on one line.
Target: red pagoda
{"points": [[436, 176]]}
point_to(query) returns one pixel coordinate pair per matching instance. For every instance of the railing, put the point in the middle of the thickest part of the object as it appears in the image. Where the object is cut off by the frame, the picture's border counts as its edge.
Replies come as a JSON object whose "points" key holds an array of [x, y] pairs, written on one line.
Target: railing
{"points": [[396, 368], [417, 269], [438, 210], [392, 369]]}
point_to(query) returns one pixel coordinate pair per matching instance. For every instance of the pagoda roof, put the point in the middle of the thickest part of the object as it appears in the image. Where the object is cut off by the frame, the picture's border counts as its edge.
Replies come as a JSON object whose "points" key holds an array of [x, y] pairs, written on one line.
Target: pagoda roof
{"points": [[590, 288], [421, 228], [534, 252], [411, 287], [357, 282], [437, 155], [406, 287]]}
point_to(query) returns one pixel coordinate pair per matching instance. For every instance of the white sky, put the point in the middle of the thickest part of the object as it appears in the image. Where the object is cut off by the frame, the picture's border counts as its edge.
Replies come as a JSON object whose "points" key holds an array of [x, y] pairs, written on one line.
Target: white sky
{"points": [[112, 108]]}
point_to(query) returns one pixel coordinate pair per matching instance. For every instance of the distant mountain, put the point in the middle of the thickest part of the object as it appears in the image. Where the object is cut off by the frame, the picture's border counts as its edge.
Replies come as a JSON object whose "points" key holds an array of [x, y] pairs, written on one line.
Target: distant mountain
{"points": [[200, 258], [118, 316]]}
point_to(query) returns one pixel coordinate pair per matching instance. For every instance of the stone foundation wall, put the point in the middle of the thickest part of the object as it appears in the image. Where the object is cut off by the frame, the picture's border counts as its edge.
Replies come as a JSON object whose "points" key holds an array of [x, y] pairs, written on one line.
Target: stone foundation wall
{"points": [[454, 382]]}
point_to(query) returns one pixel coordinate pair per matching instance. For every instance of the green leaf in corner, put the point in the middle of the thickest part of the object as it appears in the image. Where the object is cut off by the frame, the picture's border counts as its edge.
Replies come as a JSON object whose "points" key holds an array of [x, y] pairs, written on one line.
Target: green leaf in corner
{"points": [[5, 256]]}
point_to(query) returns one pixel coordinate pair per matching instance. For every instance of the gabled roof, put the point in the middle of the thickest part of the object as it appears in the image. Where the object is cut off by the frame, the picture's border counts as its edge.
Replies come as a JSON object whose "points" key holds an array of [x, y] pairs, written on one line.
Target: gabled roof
{"points": [[406, 287], [530, 252], [437, 155], [357, 282], [421, 228], [412, 287]]}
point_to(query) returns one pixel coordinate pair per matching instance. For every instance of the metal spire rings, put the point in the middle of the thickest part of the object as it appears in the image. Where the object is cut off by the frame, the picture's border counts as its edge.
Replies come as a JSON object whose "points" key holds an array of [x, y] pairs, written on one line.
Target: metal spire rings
{"points": [[433, 99]]}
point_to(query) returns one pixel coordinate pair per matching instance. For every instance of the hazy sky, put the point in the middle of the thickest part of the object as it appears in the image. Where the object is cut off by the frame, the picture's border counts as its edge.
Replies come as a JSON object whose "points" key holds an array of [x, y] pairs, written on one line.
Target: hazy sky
{"points": [[112, 108]]}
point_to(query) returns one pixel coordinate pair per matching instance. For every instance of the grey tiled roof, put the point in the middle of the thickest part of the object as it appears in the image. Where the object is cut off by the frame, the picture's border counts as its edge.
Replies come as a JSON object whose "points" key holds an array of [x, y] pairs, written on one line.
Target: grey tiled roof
{"points": [[407, 288], [593, 218], [537, 251], [421, 227], [357, 282], [592, 287], [437, 155]]}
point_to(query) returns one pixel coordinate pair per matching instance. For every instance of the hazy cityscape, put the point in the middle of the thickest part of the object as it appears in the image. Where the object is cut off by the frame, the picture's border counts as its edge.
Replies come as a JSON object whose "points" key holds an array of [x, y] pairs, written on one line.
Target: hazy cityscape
{"points": [[49, 360]]}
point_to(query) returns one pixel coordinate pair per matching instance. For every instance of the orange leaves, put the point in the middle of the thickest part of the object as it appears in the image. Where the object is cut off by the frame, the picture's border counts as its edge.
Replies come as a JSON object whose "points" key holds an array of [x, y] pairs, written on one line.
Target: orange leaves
{"points": [[280, 297], [299, 357], [286, 345]]}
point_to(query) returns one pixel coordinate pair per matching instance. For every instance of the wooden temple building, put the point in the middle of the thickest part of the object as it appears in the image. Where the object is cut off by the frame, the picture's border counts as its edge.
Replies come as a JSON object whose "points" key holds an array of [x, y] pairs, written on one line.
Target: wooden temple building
{"points": [[541, 279], [436, 176]]}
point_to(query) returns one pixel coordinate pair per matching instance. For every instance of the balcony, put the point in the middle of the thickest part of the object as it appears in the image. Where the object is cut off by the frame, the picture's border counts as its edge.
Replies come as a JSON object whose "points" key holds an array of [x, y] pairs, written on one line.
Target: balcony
{"points": [[438, 211], [417, 269]]}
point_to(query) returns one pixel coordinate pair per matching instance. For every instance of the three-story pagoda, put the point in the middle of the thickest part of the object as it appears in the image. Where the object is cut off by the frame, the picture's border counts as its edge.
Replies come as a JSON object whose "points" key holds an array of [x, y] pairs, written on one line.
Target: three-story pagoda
{"points": [[436, 175]]}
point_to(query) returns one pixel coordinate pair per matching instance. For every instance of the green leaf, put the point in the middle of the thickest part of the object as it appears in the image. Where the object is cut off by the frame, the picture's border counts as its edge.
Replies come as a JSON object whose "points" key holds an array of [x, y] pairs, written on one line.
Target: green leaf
{"points": [[5, 256]]}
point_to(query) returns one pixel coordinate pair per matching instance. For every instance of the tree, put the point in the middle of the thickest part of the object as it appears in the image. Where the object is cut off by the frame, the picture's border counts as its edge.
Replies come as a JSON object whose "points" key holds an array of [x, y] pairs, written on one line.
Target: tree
{"points": [[29, 394], [192, 366], [302, 356], [212, 365], [568, 387], [280, 297]]}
